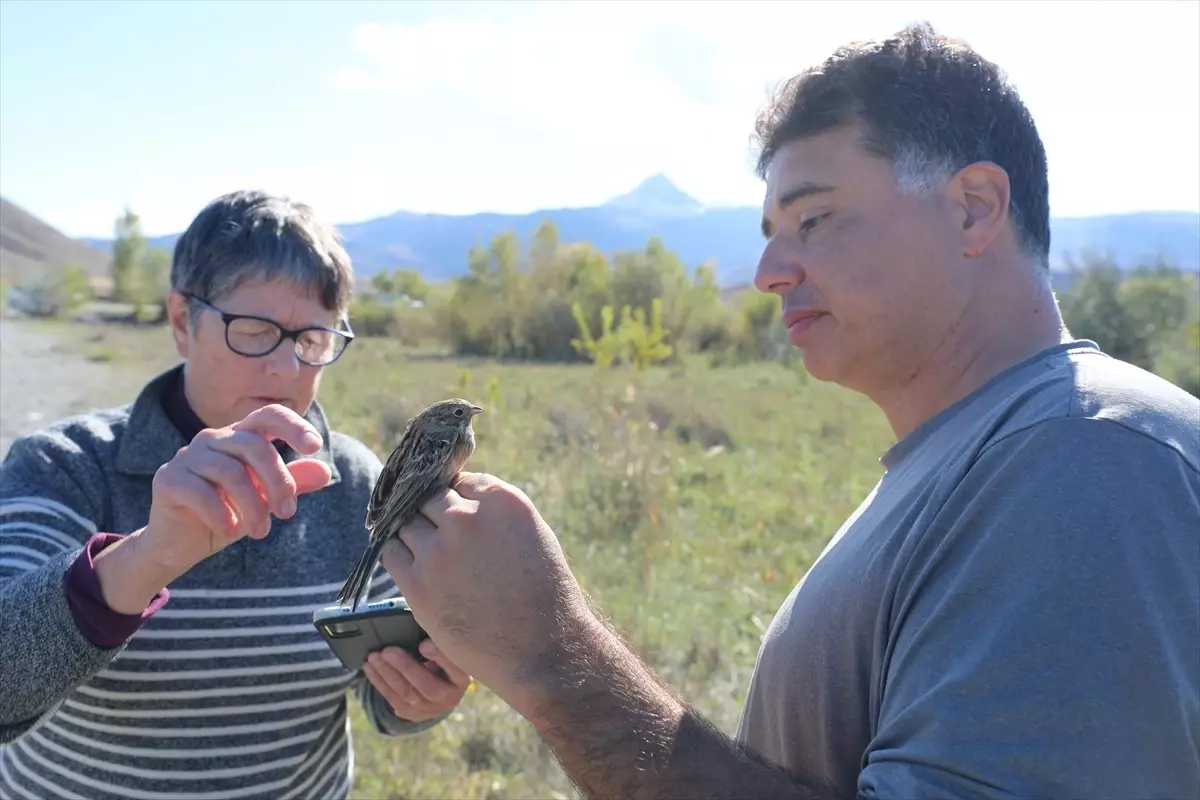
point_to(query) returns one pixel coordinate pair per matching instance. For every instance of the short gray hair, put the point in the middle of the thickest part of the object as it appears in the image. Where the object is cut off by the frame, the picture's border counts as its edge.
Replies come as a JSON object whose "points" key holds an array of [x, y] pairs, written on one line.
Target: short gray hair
{"points": [[255, 236], [918, 172]]}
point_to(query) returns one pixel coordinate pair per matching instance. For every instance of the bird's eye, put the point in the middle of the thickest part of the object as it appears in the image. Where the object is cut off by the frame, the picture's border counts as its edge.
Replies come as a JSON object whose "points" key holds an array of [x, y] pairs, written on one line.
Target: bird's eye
{"points": [[458, 412]]}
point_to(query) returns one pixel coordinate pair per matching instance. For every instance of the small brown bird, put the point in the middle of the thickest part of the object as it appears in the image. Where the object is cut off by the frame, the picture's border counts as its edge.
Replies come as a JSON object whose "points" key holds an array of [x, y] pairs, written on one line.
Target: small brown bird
{"points": [[435, 446]]}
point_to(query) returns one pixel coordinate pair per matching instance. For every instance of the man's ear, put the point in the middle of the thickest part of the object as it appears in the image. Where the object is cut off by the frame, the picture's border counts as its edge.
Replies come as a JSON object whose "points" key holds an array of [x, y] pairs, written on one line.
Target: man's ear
{"points": [[981, 191], [179, 317]]}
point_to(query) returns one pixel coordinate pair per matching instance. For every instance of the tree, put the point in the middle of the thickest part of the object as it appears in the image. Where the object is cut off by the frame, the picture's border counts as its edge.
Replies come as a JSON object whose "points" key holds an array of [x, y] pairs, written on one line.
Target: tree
{"points": [[1156, 297], [647, 344], [72, 289], [408, 282], [129, 249], [153, 283], [1092, 309], [1178, 358], [1149, 317], [382, 282], [633, 342], [602, 350]]}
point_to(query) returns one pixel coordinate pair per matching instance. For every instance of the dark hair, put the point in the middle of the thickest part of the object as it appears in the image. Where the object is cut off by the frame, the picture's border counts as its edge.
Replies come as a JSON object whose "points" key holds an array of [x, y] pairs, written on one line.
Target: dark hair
{"points": [[931, 105], [253, 235]]}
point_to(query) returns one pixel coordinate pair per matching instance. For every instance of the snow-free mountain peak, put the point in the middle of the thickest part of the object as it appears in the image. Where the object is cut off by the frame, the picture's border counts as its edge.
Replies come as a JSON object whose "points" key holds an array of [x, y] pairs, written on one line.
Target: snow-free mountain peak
{"points": [[656, 195]]}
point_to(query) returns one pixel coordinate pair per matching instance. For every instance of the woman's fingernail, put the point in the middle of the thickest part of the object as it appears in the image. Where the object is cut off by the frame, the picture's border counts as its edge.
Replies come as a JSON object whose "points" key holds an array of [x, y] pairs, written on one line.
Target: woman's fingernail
{"points": [[289, 507], [428, 648]]}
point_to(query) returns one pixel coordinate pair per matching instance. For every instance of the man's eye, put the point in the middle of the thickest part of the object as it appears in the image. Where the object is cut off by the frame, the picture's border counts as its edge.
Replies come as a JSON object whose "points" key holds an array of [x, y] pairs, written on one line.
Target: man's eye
{"points": [[808, 224]]}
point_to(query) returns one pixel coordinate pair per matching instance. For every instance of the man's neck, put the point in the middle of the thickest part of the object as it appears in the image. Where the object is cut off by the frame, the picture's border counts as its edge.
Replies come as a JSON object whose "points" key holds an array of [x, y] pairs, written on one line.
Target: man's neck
{"points": [[1002, 327]]}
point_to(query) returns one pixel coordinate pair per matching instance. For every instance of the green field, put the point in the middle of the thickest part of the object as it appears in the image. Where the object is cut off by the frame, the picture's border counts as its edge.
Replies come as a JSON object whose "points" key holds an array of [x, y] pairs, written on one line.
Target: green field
{"points": [[688, 499]]}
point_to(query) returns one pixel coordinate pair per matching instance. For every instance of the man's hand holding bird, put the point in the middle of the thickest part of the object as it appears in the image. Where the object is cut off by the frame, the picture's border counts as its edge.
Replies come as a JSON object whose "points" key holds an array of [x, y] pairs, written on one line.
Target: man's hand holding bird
{"points": [[435, 446], [486, 577]]}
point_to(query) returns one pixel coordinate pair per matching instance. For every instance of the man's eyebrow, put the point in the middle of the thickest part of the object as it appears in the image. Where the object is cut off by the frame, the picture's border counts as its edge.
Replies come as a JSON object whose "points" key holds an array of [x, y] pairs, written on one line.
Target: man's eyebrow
{"points": [[799, 192], [806, 189]]}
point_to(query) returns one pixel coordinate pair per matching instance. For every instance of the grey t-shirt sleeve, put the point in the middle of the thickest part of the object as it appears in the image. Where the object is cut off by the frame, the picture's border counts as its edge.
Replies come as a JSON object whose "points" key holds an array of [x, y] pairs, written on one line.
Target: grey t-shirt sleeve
{"points": [[1044, 633]]}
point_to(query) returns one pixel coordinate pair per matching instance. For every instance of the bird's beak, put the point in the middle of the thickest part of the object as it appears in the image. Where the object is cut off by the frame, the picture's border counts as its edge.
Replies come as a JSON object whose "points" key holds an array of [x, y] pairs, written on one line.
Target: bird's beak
{"points": [[476, 410]]}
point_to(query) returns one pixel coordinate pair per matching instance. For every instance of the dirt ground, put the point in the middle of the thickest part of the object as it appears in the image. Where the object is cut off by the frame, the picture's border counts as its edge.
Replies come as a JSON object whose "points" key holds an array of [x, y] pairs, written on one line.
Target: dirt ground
{"points": [[41, 381]]}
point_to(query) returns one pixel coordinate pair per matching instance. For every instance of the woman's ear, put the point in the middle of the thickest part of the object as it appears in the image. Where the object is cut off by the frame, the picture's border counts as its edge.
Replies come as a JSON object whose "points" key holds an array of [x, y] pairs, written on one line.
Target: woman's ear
{"points": [[180, 319]]}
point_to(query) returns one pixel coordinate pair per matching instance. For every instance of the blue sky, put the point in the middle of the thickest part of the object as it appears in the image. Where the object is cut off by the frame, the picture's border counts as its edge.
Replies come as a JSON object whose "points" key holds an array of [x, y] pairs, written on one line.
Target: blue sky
{"points": [[362, 109]]}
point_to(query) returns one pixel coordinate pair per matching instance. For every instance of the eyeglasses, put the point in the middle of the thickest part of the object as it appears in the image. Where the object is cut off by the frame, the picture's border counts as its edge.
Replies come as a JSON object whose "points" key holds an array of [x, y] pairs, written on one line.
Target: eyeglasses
{"points": [[254, 337]]}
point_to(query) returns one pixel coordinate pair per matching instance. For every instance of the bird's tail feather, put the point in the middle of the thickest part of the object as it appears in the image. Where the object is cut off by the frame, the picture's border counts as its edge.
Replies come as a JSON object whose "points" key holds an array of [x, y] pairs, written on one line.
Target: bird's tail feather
{"points": [[356, 585]]}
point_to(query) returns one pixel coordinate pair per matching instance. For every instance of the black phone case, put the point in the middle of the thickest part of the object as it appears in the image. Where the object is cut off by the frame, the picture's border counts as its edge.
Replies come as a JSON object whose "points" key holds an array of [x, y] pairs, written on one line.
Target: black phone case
{"points": [[353, 637]]}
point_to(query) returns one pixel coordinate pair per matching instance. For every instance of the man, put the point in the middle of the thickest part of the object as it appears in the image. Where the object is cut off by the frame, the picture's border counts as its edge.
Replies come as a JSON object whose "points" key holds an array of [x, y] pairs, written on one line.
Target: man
{"points": [[1012, 612]]}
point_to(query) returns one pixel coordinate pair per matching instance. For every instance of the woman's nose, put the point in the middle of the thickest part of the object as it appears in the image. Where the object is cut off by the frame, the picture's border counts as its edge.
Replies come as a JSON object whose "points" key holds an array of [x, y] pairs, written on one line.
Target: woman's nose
{"points": [[283, 359]]}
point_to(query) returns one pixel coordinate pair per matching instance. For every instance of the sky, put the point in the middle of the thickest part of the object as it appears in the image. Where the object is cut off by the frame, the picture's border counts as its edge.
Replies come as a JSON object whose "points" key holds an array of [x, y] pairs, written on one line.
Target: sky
{"points": [[363, 109]]}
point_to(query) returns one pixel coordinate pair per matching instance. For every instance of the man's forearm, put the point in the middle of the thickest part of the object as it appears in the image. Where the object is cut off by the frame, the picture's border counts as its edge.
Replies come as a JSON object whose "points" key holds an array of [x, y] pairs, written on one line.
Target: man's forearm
{"points": [[620, 733]]}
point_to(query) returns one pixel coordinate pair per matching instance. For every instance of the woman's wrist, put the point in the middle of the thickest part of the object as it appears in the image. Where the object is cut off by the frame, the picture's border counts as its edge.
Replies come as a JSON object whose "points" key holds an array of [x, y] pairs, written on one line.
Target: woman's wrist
{"points": [[129, 577]]}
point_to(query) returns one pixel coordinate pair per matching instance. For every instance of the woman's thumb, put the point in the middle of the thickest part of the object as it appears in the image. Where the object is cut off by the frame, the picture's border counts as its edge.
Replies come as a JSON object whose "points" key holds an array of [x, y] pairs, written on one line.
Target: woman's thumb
{"points": [[309, 474]]}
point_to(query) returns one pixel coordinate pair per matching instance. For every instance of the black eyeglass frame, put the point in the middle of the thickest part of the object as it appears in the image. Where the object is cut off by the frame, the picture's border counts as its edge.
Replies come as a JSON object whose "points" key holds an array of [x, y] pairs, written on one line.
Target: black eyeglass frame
{"points": [[284, 333]]}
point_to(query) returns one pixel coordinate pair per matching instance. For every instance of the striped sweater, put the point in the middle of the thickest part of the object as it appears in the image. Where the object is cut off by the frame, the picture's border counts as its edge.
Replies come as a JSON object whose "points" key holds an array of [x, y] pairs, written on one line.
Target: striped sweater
{"points": [[226, 692]]}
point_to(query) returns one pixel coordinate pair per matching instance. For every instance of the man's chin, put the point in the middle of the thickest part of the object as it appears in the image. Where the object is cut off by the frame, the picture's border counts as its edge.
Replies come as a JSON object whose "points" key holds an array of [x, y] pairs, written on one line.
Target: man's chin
{"points": [[820, 365]]}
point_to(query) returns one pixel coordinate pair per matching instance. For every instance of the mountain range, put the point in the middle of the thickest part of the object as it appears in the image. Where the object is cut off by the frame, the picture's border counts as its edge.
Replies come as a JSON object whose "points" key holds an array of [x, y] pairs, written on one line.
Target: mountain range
{"points": [[437, 244]]}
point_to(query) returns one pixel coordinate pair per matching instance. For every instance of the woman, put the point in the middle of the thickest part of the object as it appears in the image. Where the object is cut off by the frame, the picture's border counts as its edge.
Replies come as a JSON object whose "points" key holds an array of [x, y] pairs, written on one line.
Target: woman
{"points": [[227, 690]]}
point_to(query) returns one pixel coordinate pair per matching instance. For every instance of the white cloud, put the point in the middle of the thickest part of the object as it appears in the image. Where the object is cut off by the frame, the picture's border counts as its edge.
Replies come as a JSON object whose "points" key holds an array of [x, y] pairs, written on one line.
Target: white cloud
{"points": [[580, 72], [589, 94]]}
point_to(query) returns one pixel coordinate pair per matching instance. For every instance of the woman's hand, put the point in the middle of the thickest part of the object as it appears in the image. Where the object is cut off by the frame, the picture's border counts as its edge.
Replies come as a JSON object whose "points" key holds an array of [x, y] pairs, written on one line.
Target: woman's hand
{"points": [[227, 483], [415, 691], [222, 486]]}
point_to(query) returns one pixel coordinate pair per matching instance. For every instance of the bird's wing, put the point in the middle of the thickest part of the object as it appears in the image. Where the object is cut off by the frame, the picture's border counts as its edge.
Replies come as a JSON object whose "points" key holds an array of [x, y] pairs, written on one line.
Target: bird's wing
{"points": [[411, 443], [404, 482]]}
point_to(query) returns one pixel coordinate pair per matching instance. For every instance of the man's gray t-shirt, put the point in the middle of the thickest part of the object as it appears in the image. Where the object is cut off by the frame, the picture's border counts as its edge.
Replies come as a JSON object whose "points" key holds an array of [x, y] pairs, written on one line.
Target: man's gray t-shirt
{"points": [[1014, 610]]}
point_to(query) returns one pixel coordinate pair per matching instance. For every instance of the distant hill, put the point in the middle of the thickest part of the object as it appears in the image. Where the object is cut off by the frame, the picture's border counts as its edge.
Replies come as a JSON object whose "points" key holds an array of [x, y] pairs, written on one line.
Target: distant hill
{"points": [[437, 244], [30, 248], [656, 196], [1132, 237]]}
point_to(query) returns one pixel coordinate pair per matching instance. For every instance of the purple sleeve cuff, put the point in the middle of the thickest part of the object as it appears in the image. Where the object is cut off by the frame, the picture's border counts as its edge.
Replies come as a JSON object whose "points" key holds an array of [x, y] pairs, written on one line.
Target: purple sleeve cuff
{"points": [[101, 625]]}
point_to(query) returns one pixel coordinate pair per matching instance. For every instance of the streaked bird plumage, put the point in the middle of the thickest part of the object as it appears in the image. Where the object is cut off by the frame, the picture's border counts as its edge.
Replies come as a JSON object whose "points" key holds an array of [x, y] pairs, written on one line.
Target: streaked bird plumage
{"points": [[435, 446]]}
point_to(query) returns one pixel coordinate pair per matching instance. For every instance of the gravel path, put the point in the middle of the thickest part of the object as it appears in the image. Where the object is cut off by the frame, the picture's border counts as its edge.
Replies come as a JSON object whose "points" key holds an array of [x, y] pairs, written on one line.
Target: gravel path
{"points": [[41, 381]]}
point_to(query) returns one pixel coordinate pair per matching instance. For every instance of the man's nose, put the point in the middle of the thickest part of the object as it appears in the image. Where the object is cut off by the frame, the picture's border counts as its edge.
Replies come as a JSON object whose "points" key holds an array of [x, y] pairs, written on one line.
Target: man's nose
{"points": [[777, 273]]}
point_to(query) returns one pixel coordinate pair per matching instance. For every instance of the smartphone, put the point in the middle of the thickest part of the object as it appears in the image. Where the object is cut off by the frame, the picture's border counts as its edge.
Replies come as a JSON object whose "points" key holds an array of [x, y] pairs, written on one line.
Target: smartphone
{"points": [[354, 635]]}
